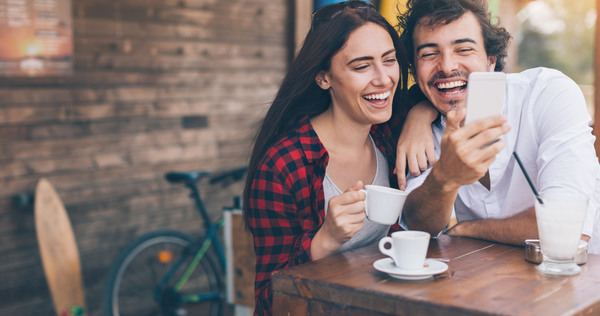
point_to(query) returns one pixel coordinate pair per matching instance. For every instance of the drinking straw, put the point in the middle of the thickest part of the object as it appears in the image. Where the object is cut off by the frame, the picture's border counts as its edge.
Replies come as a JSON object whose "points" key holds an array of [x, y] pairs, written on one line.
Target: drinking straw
{"points": [[535, 191]]}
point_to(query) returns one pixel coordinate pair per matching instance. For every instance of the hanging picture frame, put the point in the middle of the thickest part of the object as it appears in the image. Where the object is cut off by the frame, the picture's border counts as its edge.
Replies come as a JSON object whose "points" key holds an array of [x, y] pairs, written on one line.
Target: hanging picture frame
{"points": [[36, 38]]}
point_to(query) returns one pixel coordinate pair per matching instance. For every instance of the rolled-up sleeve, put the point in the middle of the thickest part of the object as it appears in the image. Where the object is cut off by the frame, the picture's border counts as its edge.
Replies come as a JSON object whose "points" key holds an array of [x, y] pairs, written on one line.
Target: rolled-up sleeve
{"points": [[282, 233]]}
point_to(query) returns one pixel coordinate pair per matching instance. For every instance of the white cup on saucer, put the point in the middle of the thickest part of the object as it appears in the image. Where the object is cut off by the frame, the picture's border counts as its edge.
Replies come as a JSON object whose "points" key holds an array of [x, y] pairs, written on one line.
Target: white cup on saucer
{"points": [[408, 248], [382, 204]]}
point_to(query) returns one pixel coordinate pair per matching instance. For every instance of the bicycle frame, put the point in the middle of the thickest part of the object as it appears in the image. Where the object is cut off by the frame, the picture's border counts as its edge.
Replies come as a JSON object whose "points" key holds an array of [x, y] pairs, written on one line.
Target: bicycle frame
{"points": [[207, 224], [211, 238]]}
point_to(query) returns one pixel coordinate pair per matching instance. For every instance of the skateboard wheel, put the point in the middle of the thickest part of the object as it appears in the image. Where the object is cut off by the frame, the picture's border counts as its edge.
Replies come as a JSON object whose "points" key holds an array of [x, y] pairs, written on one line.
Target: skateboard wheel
{"points": [[74, 311]]}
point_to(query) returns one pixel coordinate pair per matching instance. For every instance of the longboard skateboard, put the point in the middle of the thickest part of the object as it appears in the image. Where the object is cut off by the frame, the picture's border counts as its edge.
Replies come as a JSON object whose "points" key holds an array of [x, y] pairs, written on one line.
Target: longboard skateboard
{"points": [[58, 249]]}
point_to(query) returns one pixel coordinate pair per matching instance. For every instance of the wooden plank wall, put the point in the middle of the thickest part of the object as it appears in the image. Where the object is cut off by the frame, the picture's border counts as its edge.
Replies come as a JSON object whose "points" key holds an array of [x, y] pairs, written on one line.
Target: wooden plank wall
{"points": [[105, 136]]}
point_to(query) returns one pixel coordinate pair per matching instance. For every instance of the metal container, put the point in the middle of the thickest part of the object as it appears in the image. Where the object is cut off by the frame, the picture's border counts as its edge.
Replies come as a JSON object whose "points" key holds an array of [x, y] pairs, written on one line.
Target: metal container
{"points": [[581, 256], [533, 252]]}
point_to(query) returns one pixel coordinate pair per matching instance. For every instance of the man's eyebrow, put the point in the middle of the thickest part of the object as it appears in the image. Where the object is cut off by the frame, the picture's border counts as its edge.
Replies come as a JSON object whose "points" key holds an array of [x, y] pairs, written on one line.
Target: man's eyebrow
{"points": [[426, 45], [454, 42], [369, 57], [463, 40]]}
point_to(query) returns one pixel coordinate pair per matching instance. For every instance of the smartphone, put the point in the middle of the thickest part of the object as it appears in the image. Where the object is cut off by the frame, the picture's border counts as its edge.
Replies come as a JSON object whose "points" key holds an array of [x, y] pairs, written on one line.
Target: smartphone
{"points": [[485, 95]]}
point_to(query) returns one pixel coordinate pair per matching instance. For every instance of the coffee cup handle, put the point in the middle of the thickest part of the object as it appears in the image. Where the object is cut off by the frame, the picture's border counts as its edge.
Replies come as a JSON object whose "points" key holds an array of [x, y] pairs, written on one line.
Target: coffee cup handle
{"points": [[387, 252], [365, 192]]}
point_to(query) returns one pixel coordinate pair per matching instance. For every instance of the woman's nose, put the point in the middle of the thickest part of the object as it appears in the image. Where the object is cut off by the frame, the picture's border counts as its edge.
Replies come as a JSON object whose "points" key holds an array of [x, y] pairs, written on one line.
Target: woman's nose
{"points": [[381, 78]]}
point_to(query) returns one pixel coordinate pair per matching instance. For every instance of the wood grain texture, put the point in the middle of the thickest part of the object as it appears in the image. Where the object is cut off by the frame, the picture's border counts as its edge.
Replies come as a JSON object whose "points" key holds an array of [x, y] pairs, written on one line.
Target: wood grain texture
{"points": [[483, 278], [60, 256], [244, 260], [106, 135]]}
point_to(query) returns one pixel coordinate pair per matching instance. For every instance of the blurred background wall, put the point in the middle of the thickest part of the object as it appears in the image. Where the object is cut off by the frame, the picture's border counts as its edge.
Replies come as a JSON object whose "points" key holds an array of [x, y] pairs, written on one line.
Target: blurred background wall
{"points": [[559, 34], [158, 85]]}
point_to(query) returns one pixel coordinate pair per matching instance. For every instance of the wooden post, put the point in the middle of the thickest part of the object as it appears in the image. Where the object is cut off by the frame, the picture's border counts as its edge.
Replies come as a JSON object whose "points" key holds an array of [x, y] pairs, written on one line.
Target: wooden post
{"points": [[303, 11], [597, 84]]}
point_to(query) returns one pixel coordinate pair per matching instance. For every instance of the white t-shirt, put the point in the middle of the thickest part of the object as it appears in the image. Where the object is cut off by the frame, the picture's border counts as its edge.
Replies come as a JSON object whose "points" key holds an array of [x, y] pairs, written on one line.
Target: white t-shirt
{"points": [[372, 232], [551, 133]]}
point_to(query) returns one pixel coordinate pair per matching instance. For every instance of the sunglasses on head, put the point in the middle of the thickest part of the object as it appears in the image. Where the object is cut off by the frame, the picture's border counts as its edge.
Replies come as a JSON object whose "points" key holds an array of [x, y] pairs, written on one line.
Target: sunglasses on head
{"points": [[328, 12]]}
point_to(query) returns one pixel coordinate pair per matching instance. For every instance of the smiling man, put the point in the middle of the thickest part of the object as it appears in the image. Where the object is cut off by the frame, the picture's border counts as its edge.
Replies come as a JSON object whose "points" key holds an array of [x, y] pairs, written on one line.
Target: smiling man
{"points": [[545, 121]]}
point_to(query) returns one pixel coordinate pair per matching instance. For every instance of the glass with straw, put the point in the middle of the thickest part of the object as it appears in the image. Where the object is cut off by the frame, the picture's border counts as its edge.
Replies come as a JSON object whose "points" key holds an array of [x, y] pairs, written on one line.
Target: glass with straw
{"points": [[560, 216]]}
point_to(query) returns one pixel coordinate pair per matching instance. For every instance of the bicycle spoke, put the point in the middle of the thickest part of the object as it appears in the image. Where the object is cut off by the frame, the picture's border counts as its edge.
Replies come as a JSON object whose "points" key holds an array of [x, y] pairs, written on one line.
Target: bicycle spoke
{"points": [[134, 284], [154, 312], [142, 279], [149, 264], [135, 292], [137, 311]]}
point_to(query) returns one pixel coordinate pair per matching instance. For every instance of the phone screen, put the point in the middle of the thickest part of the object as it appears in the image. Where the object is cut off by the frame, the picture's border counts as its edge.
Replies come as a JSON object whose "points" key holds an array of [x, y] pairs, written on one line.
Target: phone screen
{"points": [[485, 95]]}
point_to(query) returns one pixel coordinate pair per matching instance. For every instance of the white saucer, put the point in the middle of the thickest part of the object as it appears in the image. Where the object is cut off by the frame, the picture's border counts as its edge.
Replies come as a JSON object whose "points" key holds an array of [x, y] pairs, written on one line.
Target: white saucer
{"points": [[387, 265]]}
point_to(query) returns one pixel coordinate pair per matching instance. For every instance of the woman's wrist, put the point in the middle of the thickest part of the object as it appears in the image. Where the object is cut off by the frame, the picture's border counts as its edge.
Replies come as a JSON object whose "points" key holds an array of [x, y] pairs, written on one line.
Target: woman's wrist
{"points": [[321, 246]]}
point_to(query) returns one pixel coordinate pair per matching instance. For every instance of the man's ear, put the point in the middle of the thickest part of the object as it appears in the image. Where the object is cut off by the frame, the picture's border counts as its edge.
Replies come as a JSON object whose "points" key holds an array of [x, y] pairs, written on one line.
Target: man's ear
{"points": [[322, 80], [491, 63]]}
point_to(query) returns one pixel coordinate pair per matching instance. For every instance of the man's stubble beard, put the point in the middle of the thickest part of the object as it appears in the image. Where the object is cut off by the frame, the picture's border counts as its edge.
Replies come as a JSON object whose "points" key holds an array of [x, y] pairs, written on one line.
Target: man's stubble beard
{"points": [[452, 105]]}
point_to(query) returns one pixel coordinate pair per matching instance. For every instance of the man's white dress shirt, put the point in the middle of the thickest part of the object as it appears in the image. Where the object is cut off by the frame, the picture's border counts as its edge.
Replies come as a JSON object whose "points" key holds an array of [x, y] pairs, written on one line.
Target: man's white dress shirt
{"points": [[551, 134]]}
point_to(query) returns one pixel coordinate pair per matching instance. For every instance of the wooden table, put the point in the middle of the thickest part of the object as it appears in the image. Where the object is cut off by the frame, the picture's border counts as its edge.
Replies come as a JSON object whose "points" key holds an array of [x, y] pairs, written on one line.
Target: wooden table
{"points": [[483, 278]]}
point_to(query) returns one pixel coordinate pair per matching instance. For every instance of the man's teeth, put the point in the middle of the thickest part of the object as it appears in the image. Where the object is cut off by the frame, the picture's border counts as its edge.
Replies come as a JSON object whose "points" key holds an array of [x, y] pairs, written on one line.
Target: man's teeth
{"points": [[450, 85], [379, 96]]}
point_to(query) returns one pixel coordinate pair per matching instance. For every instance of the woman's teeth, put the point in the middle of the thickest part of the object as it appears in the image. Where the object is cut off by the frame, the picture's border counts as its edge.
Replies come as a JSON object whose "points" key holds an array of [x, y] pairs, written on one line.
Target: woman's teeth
{"points": [[379, 96]]}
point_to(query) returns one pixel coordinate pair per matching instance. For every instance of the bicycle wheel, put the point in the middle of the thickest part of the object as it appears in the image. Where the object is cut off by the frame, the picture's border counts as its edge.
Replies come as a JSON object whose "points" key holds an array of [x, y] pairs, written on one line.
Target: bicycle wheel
{"points": [[143, 264]]}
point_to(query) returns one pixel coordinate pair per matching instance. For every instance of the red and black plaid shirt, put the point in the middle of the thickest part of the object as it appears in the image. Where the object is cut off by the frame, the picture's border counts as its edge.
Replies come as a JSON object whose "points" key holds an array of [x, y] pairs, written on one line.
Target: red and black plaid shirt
{"points": [[286, 204]]}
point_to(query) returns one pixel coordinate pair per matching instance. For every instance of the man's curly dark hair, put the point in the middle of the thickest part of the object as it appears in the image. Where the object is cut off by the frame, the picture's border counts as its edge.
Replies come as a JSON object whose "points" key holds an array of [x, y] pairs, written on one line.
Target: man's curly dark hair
{"points": [[495, 37]]}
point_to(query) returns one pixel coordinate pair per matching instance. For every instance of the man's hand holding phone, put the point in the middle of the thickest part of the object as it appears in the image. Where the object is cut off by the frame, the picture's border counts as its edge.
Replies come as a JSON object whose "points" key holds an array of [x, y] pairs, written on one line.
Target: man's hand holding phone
{"points": [[468, 152], [464, 159]]}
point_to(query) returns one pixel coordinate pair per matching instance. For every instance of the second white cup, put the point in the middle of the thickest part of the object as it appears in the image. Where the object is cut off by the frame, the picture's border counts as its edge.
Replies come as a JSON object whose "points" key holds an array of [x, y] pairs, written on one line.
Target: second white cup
{"points": [[408, 248], [382, 204]]}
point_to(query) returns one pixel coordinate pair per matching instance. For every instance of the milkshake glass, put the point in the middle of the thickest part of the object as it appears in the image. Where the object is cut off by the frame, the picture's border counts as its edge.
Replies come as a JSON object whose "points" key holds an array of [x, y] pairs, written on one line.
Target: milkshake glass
{"points": [[560, 221]]}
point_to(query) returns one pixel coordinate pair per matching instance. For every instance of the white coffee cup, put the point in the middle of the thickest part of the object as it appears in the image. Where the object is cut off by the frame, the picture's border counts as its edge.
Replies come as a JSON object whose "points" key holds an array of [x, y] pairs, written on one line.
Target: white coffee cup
{"points": [[382, 204], [408, 248]]}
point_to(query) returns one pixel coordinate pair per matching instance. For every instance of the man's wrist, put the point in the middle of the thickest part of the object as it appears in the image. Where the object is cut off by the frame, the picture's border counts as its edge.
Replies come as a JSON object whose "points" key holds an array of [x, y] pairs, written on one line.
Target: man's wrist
{"points": [[440, 182], [456, 230]]}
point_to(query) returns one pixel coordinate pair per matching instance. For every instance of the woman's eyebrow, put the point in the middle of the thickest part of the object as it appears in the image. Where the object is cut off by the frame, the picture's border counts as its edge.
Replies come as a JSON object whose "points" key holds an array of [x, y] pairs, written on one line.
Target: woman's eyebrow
{"points": [[360, 59], [369, 57], [393, 50]]}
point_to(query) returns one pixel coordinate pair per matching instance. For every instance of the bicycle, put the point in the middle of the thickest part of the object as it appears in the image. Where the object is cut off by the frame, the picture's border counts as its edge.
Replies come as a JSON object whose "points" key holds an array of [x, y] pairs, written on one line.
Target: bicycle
{"points": [[171, 268]]}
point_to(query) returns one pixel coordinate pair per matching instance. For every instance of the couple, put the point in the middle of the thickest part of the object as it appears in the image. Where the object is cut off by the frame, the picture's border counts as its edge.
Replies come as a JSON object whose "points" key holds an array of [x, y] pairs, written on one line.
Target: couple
{"points": [[340, 120]]}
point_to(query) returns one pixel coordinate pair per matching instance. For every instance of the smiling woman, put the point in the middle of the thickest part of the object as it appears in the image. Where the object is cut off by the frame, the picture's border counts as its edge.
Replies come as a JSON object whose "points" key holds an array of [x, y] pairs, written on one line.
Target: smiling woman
{"points": [[332, 127]]}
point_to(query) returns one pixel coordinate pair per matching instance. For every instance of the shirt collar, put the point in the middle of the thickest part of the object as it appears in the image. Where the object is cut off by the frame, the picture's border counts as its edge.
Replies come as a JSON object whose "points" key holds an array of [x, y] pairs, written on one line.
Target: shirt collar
{"points": [[311, 145]]}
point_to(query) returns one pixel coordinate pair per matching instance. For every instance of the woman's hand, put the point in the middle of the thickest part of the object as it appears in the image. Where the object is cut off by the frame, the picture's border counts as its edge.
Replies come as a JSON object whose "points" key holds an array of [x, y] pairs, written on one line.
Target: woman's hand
{"points": [[345, 217], [415, 144]]}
